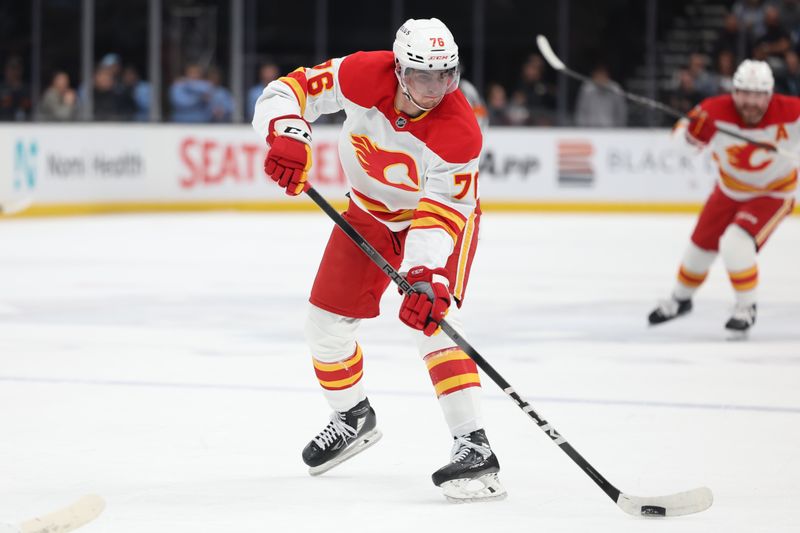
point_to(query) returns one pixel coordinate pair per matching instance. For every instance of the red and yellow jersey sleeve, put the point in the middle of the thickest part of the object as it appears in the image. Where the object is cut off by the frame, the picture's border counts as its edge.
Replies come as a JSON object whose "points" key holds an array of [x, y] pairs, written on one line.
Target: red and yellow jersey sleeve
{"points": [[305, 92], [441, 215]]}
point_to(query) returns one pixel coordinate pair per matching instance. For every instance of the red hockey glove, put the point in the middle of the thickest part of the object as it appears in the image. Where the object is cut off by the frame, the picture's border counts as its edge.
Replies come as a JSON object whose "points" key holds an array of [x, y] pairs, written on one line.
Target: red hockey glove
{"points": [[701, 127], [424, 308], [289, 157]]}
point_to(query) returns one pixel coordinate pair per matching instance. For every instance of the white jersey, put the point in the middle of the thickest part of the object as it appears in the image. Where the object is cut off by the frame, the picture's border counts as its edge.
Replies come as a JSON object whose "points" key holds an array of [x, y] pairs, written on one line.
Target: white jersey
{"points": [[418, 172]]}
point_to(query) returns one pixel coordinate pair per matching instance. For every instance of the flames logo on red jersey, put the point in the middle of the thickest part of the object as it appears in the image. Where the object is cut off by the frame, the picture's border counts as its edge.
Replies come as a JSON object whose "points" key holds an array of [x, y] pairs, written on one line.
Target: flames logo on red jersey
{"points": [[385, 165], [740, 156]]}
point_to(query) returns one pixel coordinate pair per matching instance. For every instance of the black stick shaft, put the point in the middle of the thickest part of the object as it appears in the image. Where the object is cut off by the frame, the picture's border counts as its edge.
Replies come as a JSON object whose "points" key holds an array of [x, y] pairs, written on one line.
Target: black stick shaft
{"points": [[395, 276]]}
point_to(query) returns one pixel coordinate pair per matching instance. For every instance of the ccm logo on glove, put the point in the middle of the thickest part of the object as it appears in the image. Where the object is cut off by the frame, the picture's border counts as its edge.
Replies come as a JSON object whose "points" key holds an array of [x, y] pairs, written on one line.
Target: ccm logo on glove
{"points": [[293, 131], [427, 304]]}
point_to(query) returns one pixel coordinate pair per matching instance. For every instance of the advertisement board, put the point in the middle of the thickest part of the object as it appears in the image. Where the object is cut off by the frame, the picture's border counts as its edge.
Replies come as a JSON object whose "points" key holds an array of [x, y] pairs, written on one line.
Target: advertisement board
{"points": [[118, 167]]}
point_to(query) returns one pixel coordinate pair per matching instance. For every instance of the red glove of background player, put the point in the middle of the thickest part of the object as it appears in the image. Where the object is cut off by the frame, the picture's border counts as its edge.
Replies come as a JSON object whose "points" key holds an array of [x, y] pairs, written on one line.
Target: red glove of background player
{"points": [[289, 157], [701, 127], [424, 308]]}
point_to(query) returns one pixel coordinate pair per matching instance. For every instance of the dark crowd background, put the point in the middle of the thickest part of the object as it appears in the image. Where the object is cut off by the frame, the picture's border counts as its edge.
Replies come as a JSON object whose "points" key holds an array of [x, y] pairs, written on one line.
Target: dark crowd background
{"points": [[100, 60]]}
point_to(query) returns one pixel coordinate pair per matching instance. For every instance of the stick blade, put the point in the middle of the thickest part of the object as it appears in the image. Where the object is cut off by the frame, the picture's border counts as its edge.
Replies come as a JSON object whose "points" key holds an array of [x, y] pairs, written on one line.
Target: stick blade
{"points": [[67, 519], [16, 206], [548, 54], [678, 504]]}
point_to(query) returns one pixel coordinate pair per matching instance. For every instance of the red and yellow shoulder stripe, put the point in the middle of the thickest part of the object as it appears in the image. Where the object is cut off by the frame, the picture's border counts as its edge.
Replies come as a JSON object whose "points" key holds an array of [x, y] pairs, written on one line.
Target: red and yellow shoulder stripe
{"points": [[298, 83]]}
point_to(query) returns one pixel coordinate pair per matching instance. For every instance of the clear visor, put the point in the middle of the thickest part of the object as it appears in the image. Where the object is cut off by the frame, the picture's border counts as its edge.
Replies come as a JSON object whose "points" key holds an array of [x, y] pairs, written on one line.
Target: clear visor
{"points": [[431, 83]]}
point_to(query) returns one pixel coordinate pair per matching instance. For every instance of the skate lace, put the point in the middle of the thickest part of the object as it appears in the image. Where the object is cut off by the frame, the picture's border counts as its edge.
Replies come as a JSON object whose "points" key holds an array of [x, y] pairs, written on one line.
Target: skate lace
{"points": [[335, 428], [463, 445], [744, 313], [668, 307]]}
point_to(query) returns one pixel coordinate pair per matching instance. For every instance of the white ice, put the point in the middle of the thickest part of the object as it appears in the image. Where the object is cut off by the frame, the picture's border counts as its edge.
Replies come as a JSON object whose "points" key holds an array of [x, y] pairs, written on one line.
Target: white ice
{"points": [[159, 361]]}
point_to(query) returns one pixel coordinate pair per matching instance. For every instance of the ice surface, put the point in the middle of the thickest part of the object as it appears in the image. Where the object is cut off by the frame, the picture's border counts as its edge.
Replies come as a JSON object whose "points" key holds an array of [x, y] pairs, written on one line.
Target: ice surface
{"points": [[158, 360]]}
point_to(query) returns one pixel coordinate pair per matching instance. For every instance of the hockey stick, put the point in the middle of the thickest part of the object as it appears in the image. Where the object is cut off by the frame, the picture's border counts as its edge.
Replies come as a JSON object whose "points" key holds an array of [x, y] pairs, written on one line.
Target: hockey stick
{"points": [[16, 206], [64, 520], [682, 503], [553, 60]]}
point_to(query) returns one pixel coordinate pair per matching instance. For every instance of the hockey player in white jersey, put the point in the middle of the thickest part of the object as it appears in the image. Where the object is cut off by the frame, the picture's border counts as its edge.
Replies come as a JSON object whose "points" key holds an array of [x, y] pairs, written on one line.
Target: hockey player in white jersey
{"points": [[410, 148], [754, 193]]}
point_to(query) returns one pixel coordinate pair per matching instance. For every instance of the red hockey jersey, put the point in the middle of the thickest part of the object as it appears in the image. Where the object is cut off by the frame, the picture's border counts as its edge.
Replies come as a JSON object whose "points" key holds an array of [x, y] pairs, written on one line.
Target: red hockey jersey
{"points": [[405, 171]]}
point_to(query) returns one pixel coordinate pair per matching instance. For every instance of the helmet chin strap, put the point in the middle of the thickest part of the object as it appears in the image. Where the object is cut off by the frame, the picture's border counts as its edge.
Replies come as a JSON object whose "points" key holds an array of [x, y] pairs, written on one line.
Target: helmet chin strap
{"points": [[411, 99]]}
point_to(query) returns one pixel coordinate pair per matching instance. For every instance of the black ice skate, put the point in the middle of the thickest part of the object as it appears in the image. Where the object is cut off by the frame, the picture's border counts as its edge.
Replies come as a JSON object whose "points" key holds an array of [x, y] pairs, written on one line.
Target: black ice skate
{"points": [[471, 474], [347, 434], [744, 316], [669, 309]]}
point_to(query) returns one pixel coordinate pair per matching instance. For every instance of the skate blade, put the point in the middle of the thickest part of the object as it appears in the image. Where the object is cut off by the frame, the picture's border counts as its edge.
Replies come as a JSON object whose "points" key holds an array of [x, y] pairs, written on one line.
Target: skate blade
{"points": [[483, 489], [672, 319], [366, 440], [737, 336]]}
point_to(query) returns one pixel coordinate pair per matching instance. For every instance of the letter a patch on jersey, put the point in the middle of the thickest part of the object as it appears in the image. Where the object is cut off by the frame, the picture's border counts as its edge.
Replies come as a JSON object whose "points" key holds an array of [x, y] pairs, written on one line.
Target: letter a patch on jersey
{"points": [[781, 133]]}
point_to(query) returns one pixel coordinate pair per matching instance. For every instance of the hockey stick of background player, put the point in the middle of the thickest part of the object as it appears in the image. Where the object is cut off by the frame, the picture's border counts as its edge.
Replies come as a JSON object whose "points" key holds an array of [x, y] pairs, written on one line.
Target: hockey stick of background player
{"points": [[16, 206], [64, 520], [553, 60], [681, 503]]}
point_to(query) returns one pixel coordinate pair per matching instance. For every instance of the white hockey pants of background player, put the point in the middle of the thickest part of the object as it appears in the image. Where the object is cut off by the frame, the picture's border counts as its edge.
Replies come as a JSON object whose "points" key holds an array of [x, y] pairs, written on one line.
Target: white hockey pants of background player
{"points": [[338, 363], [738, 250]]}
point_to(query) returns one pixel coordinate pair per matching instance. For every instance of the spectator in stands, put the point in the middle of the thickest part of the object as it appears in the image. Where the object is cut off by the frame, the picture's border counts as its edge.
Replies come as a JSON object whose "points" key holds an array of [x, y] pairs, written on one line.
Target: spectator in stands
{"points": [[775, 41], [731, 39], [190, 96], [750, 15], [535, 94], [685, 96], [788, 81], [702, 80], [110, 62], [113, 63], [15, 98], [497, 105], [723, 77], [267, 72], [221, 101], [790, 18], [519, 114], [598, 105], [137, 93], [108, 102], [59, 102]]}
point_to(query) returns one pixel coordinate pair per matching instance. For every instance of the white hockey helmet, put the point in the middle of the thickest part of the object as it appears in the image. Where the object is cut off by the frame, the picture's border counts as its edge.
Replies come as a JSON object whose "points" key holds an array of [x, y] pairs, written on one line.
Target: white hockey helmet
{"points": [[753, 75], [426, 53]]}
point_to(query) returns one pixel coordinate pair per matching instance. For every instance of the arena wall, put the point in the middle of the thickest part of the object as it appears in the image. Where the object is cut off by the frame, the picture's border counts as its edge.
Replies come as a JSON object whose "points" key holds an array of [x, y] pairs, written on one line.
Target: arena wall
{"points": [[72, 169]]}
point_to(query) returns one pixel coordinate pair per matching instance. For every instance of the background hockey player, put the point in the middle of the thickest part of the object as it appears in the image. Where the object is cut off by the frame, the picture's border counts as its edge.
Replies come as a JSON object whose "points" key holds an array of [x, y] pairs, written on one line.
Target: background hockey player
{"points": [[475, 100], [410, 148], [755, 190]]}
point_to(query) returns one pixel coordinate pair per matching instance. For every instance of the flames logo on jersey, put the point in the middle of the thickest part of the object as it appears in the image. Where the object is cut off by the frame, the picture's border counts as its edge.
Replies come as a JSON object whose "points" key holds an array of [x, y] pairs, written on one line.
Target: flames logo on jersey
{"points": [[396, 169], [740, 157]]}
